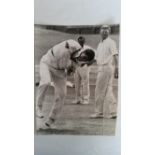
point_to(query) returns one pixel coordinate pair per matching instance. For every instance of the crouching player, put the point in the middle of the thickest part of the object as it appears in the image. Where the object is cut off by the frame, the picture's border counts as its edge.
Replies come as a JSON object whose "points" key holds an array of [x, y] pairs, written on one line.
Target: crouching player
{"points": [[59, 61]]}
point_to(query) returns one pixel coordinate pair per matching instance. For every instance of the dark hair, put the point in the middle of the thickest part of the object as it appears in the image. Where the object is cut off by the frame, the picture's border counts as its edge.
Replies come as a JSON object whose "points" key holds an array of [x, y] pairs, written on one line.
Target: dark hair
{"points": [[81, 38], [89, 55]]}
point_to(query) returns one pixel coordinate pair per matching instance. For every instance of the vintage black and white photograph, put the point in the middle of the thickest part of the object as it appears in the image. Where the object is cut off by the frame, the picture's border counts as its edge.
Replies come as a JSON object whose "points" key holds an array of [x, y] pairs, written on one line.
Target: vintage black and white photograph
{"points": [[76, 78], [76, 74]]}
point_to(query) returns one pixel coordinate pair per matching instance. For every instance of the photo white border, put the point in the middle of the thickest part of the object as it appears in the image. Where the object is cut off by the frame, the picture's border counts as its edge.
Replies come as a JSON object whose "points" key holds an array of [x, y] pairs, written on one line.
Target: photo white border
{"points": [[137, 82]]}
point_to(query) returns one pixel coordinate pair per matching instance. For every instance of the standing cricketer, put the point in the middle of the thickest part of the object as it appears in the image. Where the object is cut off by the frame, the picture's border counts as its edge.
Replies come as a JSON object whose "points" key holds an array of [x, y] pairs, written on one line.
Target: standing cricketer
{"points": [[81, 78], [54, 66], [107, 61]]}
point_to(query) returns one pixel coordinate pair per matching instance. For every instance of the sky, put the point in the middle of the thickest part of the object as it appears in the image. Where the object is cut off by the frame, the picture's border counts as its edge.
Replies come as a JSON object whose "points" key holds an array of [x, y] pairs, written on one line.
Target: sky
{"points": [[77, 12]]}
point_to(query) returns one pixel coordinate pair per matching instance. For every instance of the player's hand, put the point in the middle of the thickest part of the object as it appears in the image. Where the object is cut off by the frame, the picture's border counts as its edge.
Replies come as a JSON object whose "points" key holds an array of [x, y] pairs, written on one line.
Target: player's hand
{"points": [[70, 70], [116, 73]]}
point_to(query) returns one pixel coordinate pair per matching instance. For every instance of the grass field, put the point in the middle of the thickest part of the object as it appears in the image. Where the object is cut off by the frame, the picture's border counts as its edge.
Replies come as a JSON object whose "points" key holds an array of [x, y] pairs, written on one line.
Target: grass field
{"points": [[74, 119]]}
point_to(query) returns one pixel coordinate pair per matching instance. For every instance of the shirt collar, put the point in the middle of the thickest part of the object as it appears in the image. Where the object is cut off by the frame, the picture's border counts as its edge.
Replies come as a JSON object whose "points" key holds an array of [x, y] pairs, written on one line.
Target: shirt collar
{"points": [[104, 39]]}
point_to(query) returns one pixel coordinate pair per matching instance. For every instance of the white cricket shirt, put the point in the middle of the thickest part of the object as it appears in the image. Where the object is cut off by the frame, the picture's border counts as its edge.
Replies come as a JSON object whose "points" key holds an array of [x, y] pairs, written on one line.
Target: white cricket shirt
{"points": [[105, 51]]}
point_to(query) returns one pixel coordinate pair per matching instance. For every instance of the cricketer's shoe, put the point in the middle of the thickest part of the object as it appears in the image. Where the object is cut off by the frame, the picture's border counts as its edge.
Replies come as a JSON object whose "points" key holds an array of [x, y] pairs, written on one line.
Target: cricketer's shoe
{"points": [[77, 102], [97, 115], [45, 127], [85, 102], [49, 123], [110, 117]]}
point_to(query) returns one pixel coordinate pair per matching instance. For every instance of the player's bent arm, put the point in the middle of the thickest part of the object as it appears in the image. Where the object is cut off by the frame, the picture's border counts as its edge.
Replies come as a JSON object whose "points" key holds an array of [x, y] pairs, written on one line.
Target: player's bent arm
{"points": [[71, 69]]}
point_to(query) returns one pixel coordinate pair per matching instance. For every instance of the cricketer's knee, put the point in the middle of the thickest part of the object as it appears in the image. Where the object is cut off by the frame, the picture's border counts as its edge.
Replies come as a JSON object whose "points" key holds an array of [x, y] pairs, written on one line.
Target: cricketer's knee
{"points": [[41, 94]]}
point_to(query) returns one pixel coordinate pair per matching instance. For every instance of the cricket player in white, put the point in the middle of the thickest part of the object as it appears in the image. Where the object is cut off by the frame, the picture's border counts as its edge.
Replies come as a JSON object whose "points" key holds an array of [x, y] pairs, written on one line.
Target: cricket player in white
{"points": [[81, 78], [53, 67], [107, 61]]}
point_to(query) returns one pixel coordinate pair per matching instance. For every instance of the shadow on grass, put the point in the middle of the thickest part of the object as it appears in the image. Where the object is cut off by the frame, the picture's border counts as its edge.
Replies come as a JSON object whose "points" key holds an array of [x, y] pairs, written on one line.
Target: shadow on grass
{"points": [[56, 131]]}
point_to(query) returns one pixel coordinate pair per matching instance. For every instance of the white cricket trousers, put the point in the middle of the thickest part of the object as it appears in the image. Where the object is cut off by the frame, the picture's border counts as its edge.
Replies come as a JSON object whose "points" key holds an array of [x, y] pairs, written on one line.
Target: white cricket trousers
{"points": [[48, 74], [105, 101], [82, 81]]}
